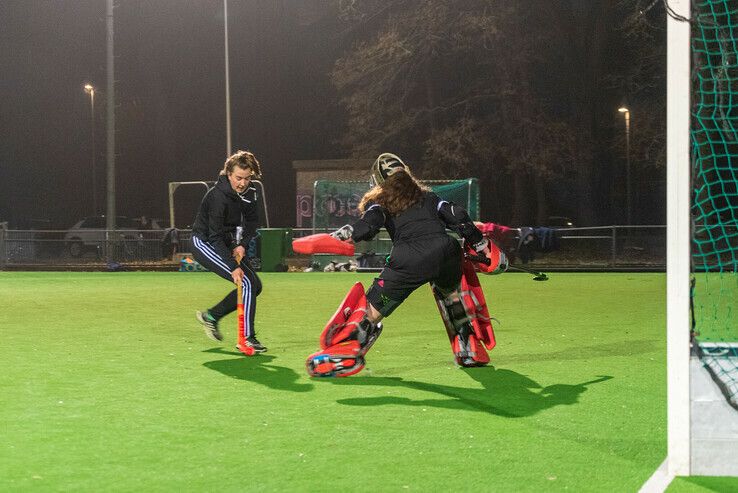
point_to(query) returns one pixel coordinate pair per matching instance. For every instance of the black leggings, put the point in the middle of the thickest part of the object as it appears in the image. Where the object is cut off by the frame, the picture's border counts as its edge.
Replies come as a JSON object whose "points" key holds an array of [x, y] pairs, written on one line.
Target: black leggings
{"points": [[412, 264], [206, 255]]}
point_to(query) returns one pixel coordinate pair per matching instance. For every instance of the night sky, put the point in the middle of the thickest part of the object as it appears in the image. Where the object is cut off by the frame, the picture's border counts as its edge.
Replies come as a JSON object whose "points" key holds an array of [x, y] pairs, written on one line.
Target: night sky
{"points": [[170, 105], [170, 115]]}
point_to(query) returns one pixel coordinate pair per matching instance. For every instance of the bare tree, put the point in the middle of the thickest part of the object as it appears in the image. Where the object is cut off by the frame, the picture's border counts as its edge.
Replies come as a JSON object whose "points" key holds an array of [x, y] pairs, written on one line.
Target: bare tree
{"points": [[519, 94]]}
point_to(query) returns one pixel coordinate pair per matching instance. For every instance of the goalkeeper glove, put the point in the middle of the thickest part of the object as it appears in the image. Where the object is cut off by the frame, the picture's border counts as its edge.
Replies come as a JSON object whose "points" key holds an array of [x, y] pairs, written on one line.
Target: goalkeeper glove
{"points": [[343, 233], [481, 246]]}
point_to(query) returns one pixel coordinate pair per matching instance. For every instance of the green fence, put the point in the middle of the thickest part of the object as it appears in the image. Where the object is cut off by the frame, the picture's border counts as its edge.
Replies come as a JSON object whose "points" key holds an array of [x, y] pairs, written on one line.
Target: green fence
{"points": [[336, 203]]}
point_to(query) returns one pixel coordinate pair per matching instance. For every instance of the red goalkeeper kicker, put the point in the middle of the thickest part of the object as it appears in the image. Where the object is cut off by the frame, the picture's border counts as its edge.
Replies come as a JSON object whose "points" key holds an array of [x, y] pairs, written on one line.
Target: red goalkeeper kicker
{"points": [[322, 243]]}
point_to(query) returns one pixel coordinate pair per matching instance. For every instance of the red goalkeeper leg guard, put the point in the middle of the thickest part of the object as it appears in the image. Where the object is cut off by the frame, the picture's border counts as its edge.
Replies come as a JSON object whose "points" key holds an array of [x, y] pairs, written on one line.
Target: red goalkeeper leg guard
{"points": [[464, 313], [345, 339]]}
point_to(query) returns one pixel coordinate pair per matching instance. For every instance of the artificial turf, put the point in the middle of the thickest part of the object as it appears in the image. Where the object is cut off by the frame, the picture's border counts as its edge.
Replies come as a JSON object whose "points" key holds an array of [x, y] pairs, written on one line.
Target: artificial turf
{"points": [[108, 383], [703, 484]]}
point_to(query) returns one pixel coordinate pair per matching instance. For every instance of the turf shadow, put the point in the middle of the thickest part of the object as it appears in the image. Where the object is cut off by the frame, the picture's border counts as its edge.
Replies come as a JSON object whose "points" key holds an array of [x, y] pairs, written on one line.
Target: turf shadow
{"points": [[613, 349], [503, 393], [258, 369], [712, 483]]}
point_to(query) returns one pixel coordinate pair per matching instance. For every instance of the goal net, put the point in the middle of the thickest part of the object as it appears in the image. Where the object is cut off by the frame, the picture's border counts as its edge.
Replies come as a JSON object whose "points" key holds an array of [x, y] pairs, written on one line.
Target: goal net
{"points": [[714, 138]]}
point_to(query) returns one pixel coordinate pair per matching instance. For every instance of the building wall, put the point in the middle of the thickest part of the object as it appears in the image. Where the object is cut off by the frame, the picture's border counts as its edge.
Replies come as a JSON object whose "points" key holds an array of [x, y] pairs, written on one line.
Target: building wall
{"points": [[308, 172]]}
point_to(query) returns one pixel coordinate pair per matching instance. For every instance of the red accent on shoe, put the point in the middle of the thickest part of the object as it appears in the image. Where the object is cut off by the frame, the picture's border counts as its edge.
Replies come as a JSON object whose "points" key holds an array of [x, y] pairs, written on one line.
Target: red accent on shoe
{"points": [[246, 349]]}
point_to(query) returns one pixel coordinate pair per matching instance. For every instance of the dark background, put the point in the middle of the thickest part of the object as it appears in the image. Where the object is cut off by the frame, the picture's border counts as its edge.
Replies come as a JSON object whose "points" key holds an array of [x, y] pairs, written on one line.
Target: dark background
{"points": [[170, 115]]}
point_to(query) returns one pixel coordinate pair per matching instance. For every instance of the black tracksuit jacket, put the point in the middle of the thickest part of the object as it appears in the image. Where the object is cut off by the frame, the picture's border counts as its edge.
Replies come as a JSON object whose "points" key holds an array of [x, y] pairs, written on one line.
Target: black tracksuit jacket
{"points": [[420, 243], [221, 211]]}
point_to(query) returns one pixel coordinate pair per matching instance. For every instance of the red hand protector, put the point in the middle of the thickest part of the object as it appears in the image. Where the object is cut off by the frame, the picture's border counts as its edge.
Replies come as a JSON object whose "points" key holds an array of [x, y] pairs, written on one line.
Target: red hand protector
{"points": [[322, 243]]}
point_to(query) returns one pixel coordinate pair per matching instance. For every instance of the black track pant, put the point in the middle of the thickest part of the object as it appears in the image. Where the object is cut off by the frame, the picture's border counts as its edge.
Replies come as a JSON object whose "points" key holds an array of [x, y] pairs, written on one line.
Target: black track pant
{"points": [[206, 255], [434, 259]]}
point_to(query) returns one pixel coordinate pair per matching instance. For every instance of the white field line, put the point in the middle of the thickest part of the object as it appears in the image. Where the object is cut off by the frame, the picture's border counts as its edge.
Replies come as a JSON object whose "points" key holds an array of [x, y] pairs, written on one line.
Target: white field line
{"points": [[659, 480]]}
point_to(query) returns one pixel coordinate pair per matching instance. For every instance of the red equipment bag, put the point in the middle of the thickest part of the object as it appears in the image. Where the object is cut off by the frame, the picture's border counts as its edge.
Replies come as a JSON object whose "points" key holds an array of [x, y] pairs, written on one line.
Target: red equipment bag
{"points": [[322, 243]]}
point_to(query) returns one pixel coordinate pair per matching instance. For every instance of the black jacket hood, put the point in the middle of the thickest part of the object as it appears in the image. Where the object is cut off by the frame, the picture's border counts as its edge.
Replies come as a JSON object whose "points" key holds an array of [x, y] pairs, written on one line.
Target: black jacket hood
{"points": [[225, 186]]}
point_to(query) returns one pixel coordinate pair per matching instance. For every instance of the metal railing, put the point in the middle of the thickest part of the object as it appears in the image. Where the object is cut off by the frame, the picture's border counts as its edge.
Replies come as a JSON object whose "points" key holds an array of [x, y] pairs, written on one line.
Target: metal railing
{"points": [[635, 247], [62, 247], [595, 248]]}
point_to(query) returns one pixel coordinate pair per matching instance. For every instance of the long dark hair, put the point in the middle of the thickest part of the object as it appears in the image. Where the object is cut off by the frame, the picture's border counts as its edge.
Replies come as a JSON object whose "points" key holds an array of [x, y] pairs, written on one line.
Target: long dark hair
{"points": [[398, 192]]}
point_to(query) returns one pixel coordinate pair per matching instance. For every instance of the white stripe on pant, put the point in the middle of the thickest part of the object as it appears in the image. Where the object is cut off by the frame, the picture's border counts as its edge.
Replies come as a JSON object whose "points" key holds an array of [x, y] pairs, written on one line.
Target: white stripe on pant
{"points": [[209, 252]]}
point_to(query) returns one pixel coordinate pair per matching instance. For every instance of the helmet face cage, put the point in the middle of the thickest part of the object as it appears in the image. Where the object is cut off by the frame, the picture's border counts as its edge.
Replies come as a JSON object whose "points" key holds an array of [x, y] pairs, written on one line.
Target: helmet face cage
{"points": [[385, 166]]}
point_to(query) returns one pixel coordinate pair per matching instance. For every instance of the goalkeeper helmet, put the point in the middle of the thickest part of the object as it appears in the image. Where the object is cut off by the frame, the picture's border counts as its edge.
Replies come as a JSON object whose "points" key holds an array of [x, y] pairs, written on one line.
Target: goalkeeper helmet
{"points": [[386, 165]]}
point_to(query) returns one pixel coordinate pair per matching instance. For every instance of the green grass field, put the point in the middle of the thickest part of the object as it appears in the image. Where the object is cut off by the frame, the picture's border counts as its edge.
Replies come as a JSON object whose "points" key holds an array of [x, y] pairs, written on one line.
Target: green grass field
{"points": [[108, 383]]}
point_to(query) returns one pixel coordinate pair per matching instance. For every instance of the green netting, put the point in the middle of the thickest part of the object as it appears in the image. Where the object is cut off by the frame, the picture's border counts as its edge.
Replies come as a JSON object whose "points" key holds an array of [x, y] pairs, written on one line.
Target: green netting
{"points": [[715, 185], [336, 202]]}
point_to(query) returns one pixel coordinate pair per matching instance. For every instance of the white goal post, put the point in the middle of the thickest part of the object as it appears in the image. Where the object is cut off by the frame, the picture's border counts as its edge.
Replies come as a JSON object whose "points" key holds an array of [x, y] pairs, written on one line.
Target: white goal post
{"points": [[678, 251]]}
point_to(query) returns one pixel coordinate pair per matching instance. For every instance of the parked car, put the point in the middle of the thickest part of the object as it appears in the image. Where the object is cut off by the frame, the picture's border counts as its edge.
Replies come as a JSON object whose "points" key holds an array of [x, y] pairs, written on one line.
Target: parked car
{"points": [[88, 234]]}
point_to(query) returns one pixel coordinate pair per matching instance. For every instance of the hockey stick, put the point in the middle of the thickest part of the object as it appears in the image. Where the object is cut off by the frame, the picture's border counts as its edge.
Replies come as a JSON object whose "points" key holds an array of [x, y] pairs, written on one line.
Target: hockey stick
{"points": [[240, 310], [537, 276]]}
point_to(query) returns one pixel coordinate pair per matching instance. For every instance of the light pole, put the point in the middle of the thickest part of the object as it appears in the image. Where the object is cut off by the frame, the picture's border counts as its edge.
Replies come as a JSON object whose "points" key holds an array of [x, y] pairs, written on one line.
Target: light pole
{"points": [[110, 112], [626, 113], [227, 81], [90, 89]]}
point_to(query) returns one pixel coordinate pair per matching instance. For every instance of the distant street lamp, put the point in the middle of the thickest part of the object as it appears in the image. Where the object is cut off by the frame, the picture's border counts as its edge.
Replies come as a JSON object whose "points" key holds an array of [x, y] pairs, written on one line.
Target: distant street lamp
{"points": [[90, 89], [626, 114]]}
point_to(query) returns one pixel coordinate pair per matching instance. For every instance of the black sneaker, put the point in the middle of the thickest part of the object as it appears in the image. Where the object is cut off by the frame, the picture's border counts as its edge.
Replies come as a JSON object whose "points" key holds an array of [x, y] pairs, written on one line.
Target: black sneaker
{"points": [[256, 345], [209, 324]]}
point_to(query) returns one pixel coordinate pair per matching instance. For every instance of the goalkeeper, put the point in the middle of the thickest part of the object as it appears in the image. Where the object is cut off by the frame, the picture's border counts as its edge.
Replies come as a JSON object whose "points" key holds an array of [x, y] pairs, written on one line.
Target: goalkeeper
{"points": [[422, 252]]}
